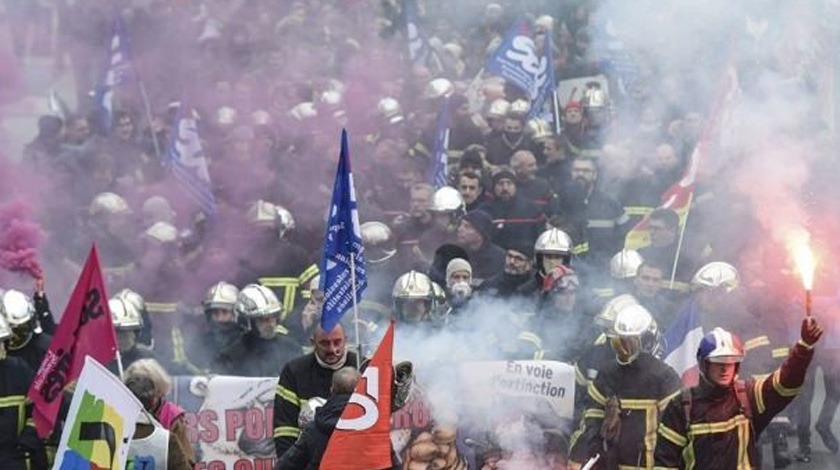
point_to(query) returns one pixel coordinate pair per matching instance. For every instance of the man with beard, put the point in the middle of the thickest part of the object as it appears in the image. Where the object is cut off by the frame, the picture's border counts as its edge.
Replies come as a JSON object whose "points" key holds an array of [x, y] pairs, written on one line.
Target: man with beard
{"points": [[501, 147], [514, 217], [261, 351], [309, 376], [518, 271], [601, 216]]}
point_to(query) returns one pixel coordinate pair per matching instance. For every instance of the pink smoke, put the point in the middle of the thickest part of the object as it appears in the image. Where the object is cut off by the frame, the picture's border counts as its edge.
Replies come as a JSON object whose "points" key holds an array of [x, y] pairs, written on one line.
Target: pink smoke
{"points": [[20, 239]]}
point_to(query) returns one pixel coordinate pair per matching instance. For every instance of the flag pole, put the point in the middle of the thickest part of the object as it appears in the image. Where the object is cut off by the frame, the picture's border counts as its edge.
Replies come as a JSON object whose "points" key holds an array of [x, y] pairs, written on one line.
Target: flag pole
{"points": [[556, 112], [680, 242], [148, 109], [355, 310], [120, 364]]}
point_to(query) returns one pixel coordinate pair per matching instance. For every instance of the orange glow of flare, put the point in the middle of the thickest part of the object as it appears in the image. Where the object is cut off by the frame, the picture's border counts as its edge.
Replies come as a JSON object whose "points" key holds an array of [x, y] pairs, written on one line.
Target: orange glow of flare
{"points": [[805, 262]]}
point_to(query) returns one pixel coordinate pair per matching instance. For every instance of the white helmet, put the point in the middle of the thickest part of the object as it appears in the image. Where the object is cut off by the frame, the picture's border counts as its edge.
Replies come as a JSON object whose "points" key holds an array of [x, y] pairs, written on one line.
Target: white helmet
{"points": [[266, 214], [716, 274], [634, 331], [625, 264], [256, 301], [390, 109], [438, 88], [125, 314], [17, 307], [221, 295], [498, 108], [303, 111], [413, 286], [379, 243], [448, 199], [162, 233], [519, 108], [108, 203], [553, 241], [606, 317]]}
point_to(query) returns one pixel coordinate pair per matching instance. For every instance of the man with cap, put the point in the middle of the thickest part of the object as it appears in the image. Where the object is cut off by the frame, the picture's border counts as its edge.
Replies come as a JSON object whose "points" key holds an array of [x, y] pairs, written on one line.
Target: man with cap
{"points": [[458, 284], [475, 234], [514, 217], [519, 263]]}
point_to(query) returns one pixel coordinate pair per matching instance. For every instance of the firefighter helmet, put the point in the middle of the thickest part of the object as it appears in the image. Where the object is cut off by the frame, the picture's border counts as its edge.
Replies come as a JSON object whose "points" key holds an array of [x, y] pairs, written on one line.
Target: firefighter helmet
{"points": [[448, 199], [634, 331], [720, 346], [109, 204], [265, 214], [125, 314], [158, 209], [226, 116], [716, 274], [255, 301], [606, 317], [413, 288], [162, 233], [519, 108], [540, 129], [303, 111], [133, 298], [390, 109], [498, 109], [378, 240], [17, 307], [625, 264], [438, 88], [553, 241], [221, 295], [594, 96]]}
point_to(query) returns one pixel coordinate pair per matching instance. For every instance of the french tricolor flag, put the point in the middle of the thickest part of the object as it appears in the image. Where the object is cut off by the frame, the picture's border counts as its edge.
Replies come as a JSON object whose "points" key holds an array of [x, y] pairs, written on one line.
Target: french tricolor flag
{"points": [[681, 342]]}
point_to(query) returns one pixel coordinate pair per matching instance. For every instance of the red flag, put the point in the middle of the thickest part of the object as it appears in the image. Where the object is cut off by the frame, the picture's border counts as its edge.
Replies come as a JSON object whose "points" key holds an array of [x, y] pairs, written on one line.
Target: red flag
{"points": [[362, 438], [86, 329]]}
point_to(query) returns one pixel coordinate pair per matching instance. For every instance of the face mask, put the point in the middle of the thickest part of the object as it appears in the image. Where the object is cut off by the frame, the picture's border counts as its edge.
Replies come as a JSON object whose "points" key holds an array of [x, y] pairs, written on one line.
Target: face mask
{"points": [[460, 291], [511, 136]]}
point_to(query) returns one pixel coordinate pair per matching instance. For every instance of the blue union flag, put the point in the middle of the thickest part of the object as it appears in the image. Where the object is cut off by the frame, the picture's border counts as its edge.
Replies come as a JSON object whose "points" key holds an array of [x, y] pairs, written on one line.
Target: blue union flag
{"points": [[342, 246]]}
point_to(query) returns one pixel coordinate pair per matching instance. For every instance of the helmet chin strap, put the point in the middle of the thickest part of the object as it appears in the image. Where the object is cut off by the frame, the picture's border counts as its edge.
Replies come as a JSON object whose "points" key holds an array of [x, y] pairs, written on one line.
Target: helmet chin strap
{"points": [[17, 342]]}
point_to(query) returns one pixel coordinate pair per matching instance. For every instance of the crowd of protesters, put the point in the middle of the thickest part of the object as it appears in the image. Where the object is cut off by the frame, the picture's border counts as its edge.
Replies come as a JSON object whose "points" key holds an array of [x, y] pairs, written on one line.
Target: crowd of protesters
{"points": [[528, 233]]}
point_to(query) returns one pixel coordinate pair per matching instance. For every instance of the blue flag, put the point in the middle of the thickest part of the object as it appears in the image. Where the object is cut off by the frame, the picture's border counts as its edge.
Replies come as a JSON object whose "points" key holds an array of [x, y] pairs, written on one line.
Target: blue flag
{"points": [[118, 71], [438, 170], [545, 82], [185, 159], [342, 246], [517, 62], [419, 50]]}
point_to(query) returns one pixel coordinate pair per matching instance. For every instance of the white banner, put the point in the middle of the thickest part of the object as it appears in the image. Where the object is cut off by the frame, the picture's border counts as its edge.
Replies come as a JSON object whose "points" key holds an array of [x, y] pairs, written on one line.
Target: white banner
{"points": [[100, 423]]}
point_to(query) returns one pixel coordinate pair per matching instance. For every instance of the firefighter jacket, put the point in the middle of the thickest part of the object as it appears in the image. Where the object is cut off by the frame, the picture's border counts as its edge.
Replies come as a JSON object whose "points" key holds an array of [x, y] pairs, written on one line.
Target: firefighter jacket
{"points": [[714, 427], [20, 447], [301, 379], [253, 356], [597, 357], [643, 388], [33, 351]]}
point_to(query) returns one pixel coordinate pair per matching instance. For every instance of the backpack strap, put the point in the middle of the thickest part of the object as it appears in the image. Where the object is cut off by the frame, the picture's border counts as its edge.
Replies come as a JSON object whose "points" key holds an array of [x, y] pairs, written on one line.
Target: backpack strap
{"points": [[743, 400], [686, 403]]}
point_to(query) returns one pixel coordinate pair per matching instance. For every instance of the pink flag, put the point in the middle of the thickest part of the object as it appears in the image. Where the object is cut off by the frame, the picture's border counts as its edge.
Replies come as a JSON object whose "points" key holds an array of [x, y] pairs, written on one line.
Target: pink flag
{"points": [[86, 329]]}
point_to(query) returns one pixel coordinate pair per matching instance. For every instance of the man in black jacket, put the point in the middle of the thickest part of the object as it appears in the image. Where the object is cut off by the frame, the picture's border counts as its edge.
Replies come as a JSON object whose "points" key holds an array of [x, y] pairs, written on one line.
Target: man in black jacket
{"points": [[307, 451]]}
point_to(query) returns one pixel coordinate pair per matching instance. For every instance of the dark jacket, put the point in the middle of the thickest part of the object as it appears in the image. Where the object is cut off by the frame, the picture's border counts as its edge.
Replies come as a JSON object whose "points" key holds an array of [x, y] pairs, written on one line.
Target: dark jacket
{"points": [[708, 427], [515, 220], [301, 379], [486, 261], [307, 451], [253, 356], [20, 447], [504, 284]]}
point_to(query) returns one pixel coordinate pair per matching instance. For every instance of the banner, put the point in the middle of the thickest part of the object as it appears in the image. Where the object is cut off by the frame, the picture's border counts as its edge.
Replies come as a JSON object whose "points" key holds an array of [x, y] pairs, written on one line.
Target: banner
{"points": [[86, 329], [229, 419], [516, 61], [100, 423]]}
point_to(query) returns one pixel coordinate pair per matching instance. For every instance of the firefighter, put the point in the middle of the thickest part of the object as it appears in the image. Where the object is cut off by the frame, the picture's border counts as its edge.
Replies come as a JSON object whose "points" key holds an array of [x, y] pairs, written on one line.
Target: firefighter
{"points": [[26, 343], [262, 350], [20, 447], [307, 377], [553, 248], [416, 298], [128, 321], [624, 400], [716, 423], [222, 328]]}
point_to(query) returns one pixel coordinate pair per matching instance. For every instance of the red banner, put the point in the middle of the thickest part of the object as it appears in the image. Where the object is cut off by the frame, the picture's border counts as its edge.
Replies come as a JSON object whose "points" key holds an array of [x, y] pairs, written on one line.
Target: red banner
{"points": [[86, 329], [362, 438]]}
